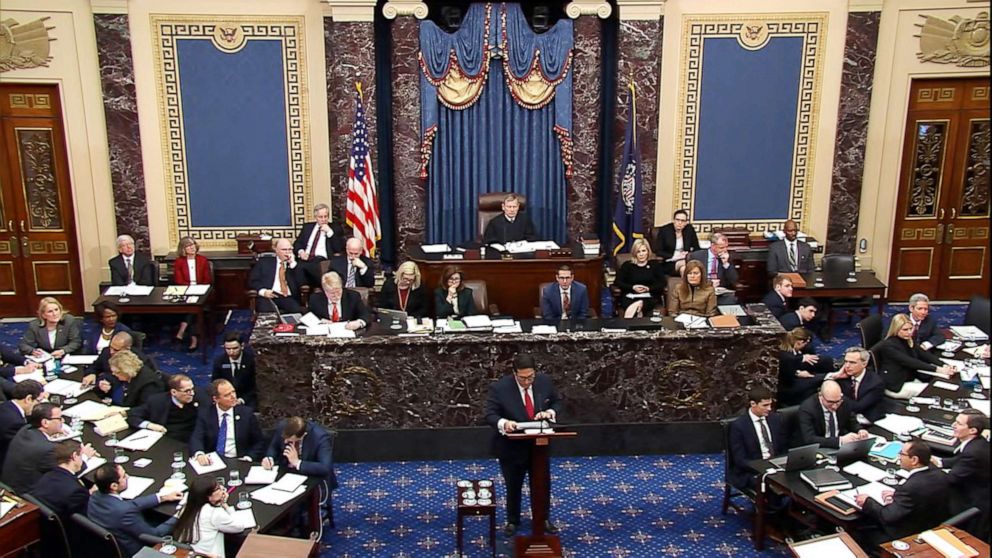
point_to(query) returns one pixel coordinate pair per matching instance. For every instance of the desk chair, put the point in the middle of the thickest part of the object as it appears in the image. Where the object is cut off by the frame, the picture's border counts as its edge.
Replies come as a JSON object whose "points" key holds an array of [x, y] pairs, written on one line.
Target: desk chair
{"points": [[978, 313], [490, 205], [540, 293], [840, 265], [54, 539], [871, 331], [480, 295], [731, 492], [252, 294], [101, 543]]}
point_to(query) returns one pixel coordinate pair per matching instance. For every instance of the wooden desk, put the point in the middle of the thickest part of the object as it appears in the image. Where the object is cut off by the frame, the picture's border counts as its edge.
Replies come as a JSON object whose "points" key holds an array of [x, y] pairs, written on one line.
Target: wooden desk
{"points": [[266, 546], [845, 538], [923, 550], [19, 529], [837, 286], [472, 510]]}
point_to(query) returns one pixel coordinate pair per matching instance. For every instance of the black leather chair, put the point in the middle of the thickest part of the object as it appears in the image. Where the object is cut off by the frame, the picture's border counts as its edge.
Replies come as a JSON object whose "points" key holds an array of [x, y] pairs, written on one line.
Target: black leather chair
{"points": [[490, 205], [978, 313], [871, 331], [732, 493], [54, 537], [840, 265], [790, 419], [100, 543]]}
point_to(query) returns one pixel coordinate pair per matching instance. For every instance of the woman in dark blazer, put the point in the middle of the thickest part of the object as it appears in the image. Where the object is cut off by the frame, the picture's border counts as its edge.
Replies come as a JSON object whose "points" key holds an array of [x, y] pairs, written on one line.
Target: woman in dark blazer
{"points": [[675, 241], [141, 381], [55, 332], [642, 274], [452, 299], [899, 359], [190, 268], [799, 375], [107, 316], [404, 291]]}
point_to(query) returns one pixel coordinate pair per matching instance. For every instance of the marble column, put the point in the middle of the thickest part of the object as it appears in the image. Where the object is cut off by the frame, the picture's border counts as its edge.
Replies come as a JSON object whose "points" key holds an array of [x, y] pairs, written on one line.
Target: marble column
{"points": [[349, 48], [120, 105], [852, 130], [640, 58], [587, 101], [410, 194]]}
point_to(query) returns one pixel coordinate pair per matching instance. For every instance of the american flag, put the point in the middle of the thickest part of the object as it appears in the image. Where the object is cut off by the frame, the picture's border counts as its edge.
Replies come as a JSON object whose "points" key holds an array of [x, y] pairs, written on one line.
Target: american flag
{"points": [[362, 209]]}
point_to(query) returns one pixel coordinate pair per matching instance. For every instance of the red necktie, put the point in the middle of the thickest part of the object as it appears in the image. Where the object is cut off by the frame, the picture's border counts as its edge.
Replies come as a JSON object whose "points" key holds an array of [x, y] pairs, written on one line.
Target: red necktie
{"points": [[713, 267], [528, 404], [566, 303], [335, 316], [313, 247]]}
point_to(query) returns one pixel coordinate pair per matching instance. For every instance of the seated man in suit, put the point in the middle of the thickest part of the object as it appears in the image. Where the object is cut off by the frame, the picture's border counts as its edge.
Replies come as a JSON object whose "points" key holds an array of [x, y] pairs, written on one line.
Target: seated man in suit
{"points": [[226, 427], [13, 414], [354, 267], [718, 267], [790, 255], [918, 504], [100, 369], [334, 303], [675, 241], [302, 446], [31, 453], [826, 419], [757, 434], [173, 412], [925, 331], [59, 488], [317, 241], [803, 315], [275, 280], [521, 397], [124, 518], [969, 469], [511, 226], [778, 299], [128, 267], [864, 390], [569, 299], [12, 363], [237, 365]]}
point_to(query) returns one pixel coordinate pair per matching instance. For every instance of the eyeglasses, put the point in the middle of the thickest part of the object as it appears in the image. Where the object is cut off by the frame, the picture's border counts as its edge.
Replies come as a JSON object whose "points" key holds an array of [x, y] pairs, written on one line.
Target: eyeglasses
{"points": [[568, 278]]}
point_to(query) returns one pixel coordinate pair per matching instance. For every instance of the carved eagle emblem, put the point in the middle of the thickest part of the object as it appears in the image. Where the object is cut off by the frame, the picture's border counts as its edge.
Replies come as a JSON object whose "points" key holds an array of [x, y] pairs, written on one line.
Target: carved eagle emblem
{"points": [[960, 41]]}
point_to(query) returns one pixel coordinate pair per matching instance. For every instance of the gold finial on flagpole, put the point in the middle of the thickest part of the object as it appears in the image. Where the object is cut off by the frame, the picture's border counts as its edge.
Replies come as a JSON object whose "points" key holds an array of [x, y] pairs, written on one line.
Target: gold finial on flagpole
{"points": [[358, 86]]}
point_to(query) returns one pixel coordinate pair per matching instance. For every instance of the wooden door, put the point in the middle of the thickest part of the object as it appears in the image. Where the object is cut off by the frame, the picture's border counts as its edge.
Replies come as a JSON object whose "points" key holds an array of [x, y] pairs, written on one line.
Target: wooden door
{"points": [[38, 248], [940, 245]]}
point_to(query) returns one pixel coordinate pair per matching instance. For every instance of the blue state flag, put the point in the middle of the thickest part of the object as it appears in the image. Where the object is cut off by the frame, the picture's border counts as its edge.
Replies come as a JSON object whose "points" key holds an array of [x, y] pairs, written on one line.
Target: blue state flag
{"points": [[627, 221]]}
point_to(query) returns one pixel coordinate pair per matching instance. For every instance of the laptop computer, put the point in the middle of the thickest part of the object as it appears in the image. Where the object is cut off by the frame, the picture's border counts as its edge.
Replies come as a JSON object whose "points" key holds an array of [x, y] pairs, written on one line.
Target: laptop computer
{"points": [[855, 451], [387, 315], [798, 459]]}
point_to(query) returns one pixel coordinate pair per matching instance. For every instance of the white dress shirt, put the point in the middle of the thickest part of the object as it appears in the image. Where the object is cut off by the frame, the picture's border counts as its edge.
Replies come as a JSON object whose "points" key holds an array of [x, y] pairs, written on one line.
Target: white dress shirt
{"points": [[191, 266], [321, 251], [275, 278], [213, 522]]}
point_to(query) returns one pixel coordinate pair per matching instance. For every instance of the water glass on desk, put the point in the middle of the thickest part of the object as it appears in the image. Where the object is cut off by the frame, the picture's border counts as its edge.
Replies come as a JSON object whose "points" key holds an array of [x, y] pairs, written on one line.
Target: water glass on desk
{"points": [[177, 465], [244, 501], [120, 456], [111, 440], [235, 478]]}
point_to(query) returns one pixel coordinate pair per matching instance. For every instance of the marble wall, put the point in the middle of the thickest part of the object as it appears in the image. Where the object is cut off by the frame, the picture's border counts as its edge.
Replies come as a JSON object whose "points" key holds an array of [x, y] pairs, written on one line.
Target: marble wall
{"points": [[852, 130], [113, 41], [640, 57], [586, 106]]}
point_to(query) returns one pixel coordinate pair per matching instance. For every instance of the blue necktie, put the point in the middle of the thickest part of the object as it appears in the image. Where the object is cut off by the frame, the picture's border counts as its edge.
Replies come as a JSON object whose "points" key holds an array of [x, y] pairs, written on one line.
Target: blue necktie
{"points": [[222, 435], [117, 393]]}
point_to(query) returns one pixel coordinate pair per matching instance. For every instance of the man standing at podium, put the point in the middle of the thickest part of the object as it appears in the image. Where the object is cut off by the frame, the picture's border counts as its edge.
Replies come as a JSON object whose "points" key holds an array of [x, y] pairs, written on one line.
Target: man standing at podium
{"points": [[511, 226], [522, 397]]}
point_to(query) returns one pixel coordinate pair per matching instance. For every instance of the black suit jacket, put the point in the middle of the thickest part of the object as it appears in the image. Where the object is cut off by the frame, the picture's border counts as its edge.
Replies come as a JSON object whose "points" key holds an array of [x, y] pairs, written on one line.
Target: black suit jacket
{"points": [[146, 384], [898, 362], [871, 395], [790, 321], [143, 269], [778, 259], [504, 402], [776, 305], [156, 408], [465, 300], [244, 383], [416, 302], [62, 492], [29, 456], [726, 275], [498, 229], [352, 307], [813, 429], [316, 452], [928, 332], [745, 447], [333, 245], [11, 422], [917, 505], [969, 476], [102, 363], [263, 276], [10, 359], [664, 241], [339, 264], [247, 433]]}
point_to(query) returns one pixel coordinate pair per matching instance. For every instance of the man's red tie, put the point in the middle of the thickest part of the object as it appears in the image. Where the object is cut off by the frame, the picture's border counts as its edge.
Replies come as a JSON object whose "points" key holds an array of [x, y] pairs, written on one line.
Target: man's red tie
{"points": [[313, 247], [528, 404], [335, 316]]}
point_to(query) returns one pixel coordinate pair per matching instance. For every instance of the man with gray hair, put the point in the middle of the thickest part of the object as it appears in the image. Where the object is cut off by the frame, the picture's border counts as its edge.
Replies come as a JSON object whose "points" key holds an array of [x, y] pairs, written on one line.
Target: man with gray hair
{"points": [[317, 241], [925, 332], [863, 389], [718, 267], [129, 267]]}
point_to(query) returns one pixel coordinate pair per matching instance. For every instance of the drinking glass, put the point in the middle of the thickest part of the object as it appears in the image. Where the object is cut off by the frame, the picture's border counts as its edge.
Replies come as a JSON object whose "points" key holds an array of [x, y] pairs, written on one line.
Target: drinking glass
{"points": [[235, 478], [656, 315], [890, 477], [111, 440], [120, 456], [244, 501], [168, 546]]}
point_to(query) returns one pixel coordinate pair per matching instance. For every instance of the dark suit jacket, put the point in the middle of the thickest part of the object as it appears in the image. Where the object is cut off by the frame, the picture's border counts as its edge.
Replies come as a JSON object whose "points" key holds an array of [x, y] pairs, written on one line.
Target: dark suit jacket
{"points": [[726, 275], [813, 429], [11, 422], [928, 332], [776, 305], [316, 453], [143, 269], [504, 402], [146, 384], [778, 259], [156, 408], [416, 302], [898, 362], [180, 271], [745, 447], [871, 396], [247, 433], [334, 244], [499, 230], [578, 301], [917, 505], [367, 279], [244, 383], [68, 336], [664, 245], [969, 476], [466, 303], [124, 519], [263, 275], [90, 341], [63, 492], [791, 320], [352, 307], [793, 390], [29, 456], [102, 363]]}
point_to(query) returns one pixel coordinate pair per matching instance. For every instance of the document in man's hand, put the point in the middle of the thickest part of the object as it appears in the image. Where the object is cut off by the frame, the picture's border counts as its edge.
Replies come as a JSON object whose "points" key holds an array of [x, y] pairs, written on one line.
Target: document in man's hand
{"points": [[216, 464]]}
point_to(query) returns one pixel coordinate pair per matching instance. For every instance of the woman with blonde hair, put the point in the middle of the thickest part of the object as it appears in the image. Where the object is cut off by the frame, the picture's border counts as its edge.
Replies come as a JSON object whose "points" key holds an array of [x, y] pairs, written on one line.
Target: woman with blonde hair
{"points": [[800, 371], [899, 358], [56, 332], [695, 294], [641, 280], [405, 292]]}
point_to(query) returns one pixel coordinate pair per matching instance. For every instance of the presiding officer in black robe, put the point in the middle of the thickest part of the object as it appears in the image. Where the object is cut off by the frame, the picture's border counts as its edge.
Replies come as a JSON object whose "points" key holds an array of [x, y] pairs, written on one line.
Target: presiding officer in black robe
{"points": [[511, 226]]}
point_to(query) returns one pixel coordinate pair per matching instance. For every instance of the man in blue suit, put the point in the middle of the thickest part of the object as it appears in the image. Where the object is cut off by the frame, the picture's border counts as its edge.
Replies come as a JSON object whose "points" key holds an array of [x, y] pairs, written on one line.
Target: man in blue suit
{"points": [[122, 517], [304, 447], [14, 413], [226, 427], [59, 488], [757, 434], [569, 299]]}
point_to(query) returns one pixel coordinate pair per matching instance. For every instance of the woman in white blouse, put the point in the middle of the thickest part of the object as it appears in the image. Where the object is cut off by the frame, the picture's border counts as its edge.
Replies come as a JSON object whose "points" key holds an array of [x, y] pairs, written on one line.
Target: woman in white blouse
{"points": [[207, 517]]}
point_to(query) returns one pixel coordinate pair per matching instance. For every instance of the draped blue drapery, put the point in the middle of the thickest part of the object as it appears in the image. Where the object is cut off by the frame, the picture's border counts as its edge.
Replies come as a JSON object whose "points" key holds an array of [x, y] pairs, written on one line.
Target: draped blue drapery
{"points": [[493, 139]]}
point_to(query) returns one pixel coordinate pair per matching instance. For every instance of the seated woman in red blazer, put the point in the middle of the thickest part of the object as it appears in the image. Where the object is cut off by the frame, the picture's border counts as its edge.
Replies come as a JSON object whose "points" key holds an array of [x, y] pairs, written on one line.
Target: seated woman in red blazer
{"points": [[190, 268]]}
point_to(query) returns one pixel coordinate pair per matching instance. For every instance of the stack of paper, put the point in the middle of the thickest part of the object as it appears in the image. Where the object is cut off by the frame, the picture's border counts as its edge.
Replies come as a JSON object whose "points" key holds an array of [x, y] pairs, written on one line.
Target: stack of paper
{"points": [[258, 475], [969, 333], [79, 360], [865, 471], [692, 322], [980, 404], [66, 388], [93, 411], [197, 290], [340, 330], [513, 328], [435, 248], [138, 290], [114, 291], [246, 518], [136, 486], [899, 424], [37, 376], [216, 464], [270, 495], [873, 490], [175, 290], [540, 329], [141, 440], [91, 464], [289, 482], [478, 322]]}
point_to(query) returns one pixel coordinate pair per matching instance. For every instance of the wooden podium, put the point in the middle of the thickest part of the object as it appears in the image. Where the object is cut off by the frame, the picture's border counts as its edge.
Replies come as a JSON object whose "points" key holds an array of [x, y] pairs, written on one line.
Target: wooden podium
{"points": [[538, 543]]}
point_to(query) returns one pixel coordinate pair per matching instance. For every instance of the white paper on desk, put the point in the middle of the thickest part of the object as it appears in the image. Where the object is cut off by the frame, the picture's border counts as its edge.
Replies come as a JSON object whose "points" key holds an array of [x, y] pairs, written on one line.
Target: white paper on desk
{"points": [[980, 404], [142, 440], [258, 475], [322, 330], [977, 351], [136, 486], [934, 374], [197, 290], [175, 290], [245, 517], [959, 364], [66, 388], [310, 319], [865, 471], [540, 329], [544, 245], [479, 320], [192, 299], [969, 332], [898, 424], [138, 290], [692, 322], [942, 546], [79, 360], [515, 328], [91, 464], [949, 345], [340, 330], [216, 464], [114, 291], [5, 507], [498, 247], [946, 386], [984, 380], [435, 248], [289, 482], [825, 547], [268, 495], [37, 376], [504, 322], [873, 490]]}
